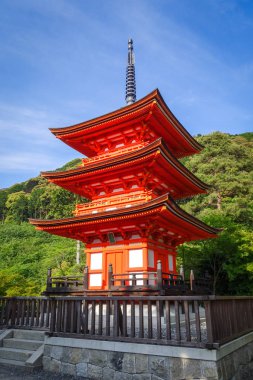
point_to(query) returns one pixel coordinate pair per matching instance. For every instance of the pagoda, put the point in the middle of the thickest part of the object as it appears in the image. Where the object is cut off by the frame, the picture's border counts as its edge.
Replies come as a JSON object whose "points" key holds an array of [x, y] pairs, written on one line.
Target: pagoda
{"points": [[132, 177]]}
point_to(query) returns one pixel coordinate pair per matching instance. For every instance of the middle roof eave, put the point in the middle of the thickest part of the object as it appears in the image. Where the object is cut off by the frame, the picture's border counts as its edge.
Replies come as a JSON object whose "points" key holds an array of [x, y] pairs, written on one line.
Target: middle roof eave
{"points": [[161, 205], [130, 158]]}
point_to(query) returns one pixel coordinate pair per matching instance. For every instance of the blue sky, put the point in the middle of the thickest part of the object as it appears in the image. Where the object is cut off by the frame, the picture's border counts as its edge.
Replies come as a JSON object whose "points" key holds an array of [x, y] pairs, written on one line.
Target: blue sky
{"points": [[63, 62]]}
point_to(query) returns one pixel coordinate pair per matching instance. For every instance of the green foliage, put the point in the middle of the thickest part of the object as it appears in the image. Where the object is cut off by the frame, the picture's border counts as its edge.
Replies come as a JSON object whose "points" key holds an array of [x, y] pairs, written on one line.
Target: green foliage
{"points": [[247, 135], [226, 164], [25, 256], [37, 198], [228, 259], [3, 199], [70, 165], [17, 207]]}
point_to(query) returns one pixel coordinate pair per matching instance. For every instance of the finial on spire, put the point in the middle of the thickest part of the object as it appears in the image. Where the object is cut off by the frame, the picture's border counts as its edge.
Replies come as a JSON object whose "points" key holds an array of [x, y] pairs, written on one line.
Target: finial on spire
{"points": [[130, 75]]}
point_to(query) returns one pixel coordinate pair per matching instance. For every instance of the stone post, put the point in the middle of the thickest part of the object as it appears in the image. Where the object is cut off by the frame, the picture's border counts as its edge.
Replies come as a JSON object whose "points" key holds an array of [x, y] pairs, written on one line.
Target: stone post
{"points": [[159, 275]]}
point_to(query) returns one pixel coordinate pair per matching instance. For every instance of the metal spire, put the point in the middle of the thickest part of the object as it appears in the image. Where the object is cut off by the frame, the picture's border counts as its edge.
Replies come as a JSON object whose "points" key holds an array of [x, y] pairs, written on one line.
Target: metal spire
{"points": [[130, 75]]}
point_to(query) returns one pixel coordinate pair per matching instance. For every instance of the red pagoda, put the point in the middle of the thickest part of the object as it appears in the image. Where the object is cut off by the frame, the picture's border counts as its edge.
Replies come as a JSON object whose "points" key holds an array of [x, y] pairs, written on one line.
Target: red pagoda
{"points": [[132, 176]]}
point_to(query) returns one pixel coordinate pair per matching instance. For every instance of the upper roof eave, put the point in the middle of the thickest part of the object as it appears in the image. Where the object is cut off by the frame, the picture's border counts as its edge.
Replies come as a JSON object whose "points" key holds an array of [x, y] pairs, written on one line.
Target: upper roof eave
{"points": [[108, 116], [154, 96]]}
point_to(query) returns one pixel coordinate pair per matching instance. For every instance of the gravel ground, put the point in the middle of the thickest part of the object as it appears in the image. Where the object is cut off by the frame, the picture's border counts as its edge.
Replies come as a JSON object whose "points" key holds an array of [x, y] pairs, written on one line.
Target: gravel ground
{"points": [[15, 373]]}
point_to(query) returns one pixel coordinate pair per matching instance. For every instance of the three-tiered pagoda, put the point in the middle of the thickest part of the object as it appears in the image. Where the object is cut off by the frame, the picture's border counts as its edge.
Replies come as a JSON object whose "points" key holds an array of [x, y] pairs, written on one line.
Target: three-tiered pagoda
{"points": [[132, 176]]}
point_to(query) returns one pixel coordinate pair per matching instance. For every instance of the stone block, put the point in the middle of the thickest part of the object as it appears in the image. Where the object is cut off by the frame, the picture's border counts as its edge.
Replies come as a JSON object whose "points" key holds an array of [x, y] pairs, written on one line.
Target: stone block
{"points": [[98, 358], [82, 369], [220, 370], [68, 369], [176, 368], [209, 369], [141, 363], [108, 373], [158, 367], [250, 351], [122, 376], [244, 373], [115, 360], [75, 355], [56, 352], [154, 377], [228, 367], [47, 350], [240, 357], [54, 366], [46, 362], [191, 369], [128, 364], [94, 372], [142, 376]]}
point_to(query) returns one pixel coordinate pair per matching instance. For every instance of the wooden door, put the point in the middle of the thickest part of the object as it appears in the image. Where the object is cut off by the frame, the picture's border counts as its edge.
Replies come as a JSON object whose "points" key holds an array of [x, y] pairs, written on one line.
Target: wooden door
{"points": [[116, 259], [164, 261]]}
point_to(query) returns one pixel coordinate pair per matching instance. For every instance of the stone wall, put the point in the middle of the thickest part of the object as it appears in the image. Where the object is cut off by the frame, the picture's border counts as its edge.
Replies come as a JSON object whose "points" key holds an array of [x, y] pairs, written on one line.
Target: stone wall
{"points": [[237, 365], [115, 360]]}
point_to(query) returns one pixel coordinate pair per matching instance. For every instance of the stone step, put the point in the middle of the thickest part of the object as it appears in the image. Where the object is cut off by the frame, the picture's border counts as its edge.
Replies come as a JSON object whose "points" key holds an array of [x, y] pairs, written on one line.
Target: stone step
{"points": [[23, 344], [15, 354], [29, 334], [12, 363]]}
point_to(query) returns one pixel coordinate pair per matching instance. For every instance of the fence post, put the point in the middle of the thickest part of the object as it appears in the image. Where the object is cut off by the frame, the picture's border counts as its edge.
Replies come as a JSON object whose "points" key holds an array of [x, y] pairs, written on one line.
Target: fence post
{"points": [[209, 323], [49, 278], [53, 315], [159, 275], [110, 276], [86, 277]]}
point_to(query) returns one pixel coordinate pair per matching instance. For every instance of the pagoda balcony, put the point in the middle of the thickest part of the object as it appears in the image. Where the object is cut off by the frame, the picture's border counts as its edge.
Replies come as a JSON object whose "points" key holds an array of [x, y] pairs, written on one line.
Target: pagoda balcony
{"points": [[114, 153], [134, 283], [113, 202]]}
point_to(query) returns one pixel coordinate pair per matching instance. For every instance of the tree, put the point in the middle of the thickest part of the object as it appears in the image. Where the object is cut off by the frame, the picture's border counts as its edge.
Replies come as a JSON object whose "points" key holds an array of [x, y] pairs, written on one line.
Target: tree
{"points": [[228, 258], [26, 254], [17, 207], [226, 163]]}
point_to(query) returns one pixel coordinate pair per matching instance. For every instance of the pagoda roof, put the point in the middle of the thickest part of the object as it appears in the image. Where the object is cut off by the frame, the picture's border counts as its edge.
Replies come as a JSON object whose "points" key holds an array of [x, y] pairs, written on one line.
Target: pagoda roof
{"points": [[149, 113], [155, 162], [161, 212]]}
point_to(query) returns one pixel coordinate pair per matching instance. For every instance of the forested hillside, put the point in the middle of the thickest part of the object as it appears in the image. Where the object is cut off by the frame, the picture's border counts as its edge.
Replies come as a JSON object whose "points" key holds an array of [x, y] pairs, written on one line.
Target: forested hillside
{"points": [[225, 163], [26, 254]]}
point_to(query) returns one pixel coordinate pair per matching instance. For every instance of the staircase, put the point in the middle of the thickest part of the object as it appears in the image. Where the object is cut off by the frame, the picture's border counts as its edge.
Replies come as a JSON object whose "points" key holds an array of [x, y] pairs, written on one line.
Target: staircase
{"points": [[23, 348]]}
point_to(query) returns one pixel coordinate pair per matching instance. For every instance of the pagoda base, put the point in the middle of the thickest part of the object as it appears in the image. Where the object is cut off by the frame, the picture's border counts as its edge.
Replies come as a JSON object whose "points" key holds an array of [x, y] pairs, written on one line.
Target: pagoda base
{"points": [[200, 287]]}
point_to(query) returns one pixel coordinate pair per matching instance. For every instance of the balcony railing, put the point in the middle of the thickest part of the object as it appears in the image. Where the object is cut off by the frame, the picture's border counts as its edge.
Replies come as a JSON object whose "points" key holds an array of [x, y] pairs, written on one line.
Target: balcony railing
{"points": [[118, 201], [113, 153], [158, 282]]}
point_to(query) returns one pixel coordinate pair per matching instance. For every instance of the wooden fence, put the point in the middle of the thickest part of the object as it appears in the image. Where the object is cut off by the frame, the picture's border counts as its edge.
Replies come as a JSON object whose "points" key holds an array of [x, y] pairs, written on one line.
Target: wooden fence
{"points": [[197, 321], [25, 312]]}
